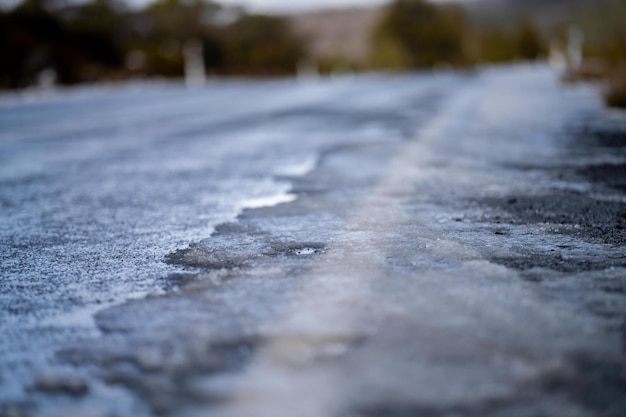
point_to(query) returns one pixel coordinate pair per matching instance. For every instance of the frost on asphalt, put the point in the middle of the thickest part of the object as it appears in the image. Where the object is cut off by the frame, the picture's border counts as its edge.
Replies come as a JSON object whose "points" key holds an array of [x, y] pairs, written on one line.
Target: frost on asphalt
{"points": [[459, 254]]}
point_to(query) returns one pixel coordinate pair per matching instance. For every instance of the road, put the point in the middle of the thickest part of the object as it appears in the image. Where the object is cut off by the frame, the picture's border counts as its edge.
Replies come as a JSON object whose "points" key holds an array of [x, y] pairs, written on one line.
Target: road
{"points": [[410, 245]]}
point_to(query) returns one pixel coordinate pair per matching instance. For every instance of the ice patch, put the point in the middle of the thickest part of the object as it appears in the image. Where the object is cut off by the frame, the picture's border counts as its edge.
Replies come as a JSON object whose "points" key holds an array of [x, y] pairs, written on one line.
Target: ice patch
{"points": [[270, 201]]}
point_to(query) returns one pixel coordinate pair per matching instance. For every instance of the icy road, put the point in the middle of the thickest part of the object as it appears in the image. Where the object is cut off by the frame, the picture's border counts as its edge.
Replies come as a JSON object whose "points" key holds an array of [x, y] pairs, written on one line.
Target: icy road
{"points": [[383, 246]]}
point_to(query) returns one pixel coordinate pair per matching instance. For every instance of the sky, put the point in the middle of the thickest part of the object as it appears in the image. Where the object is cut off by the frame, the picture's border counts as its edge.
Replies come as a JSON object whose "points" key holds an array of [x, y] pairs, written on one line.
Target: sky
{"points": [[293, 5], [258, 5], [279, 6], [297, 5]]}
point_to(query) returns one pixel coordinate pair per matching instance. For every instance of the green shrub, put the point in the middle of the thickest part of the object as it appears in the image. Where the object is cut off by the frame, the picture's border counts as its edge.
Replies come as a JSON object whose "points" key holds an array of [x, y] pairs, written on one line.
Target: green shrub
{"points": [[615, 95], [420, 34]]}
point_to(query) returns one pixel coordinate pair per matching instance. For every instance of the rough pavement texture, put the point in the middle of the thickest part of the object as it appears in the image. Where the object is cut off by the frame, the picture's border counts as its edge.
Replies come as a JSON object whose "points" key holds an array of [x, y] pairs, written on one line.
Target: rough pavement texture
{"points": [[476, 268]]}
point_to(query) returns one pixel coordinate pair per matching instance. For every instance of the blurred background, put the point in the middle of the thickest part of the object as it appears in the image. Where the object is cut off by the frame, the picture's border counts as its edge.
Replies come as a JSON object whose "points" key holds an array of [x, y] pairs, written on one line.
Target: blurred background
{"points": [[63, 42]]}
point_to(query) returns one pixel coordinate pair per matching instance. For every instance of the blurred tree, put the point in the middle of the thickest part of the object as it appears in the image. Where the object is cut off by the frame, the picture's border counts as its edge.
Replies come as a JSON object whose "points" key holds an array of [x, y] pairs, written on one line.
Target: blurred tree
{"points": [[529, 42], [168, 24], [31, 40], [180, 20], [99, 29], [500, 45], [257, 44], [101, 39], [425, 33], [386, 52], [75, 43], [604, 26], [496, 45]]}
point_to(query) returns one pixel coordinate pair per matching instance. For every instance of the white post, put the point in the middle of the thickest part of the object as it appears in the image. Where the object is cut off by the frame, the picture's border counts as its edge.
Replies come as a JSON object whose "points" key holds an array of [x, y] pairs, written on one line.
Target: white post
{"points": [[195, 75], [556, 57], [308, 69], [575, 38]]}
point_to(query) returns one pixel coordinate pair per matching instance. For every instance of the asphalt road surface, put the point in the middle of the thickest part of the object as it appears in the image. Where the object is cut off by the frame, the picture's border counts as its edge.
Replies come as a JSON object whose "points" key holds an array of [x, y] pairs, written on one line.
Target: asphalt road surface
{"points": [[379, 246]]}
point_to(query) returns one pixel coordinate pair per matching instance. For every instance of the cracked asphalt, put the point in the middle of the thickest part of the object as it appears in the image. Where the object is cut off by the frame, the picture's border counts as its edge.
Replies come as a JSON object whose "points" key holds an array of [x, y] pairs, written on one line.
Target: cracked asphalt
{"points": [[442, 245]]}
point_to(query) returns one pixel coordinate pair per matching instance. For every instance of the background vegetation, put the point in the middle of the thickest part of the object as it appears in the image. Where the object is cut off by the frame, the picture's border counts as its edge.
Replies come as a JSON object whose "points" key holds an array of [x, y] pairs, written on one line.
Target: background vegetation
{"points": [[420, 34], [606, 42], [104, 40]]}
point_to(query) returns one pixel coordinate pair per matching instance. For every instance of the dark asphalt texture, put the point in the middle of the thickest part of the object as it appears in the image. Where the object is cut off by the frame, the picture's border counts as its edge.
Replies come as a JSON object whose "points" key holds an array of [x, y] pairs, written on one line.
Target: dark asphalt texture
{"points": [[473, 267]]}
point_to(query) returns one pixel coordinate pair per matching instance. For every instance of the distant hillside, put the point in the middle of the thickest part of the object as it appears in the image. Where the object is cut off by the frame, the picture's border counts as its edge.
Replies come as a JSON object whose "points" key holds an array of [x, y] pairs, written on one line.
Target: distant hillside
{"points": [[347, 32], [338, 33], [545, 13]]}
